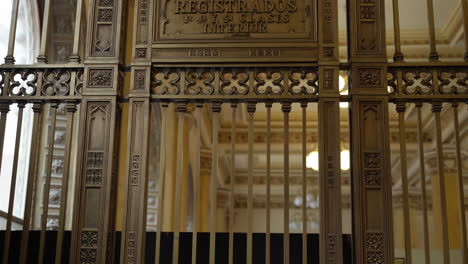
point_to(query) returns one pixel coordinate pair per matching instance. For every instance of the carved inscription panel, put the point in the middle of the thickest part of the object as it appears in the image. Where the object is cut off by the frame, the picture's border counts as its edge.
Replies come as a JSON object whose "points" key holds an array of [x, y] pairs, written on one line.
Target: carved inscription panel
{"points": [[236, 30], [235, 20]]}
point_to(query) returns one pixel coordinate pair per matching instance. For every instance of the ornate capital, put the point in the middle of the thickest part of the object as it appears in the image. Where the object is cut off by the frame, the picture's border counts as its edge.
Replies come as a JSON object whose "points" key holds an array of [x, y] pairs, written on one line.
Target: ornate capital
{"points": [[251, 106], [436, 107], [401, 107], [286, 106], [216, 106]]}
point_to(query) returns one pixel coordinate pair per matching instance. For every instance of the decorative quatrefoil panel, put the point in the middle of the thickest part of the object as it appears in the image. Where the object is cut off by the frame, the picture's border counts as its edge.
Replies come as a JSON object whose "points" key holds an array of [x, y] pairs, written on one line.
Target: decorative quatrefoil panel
{"points": [[24, 83], [269, 83], [303, 83], [56, 82], [234, 83], [199, 83], [166, 83], [453, 82], [417, 82]]}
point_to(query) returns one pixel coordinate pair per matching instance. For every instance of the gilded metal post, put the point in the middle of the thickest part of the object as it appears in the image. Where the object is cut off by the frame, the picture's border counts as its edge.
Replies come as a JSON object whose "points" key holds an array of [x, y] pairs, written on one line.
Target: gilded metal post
{"points": [[95, 187], [370, 154]]}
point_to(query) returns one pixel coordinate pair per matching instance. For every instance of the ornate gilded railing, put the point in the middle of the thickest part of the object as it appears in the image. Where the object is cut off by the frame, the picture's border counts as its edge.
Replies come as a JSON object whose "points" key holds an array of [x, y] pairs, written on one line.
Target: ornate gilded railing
{"points": [[40, 82]]}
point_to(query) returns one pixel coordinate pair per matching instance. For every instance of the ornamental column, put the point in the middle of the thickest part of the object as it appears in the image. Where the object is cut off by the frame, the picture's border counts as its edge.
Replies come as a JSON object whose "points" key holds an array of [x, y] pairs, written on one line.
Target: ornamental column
{"points": [[95, 192], [371, 179]]}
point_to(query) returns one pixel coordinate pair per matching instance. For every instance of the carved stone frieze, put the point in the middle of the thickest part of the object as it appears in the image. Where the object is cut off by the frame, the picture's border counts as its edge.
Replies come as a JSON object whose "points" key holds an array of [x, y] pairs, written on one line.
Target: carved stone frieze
{"points": [[370, 77], [372, 160], [102, 40], [373, 178], [140, 79], [100, 78], [94, 167], [88, 247], [131, 247], [374, 248], [375, 257], [331, 250], [135, 172]]}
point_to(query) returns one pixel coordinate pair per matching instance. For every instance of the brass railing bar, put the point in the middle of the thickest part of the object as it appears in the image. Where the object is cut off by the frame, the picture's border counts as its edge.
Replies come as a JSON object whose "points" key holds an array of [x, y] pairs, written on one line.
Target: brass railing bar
{"points": [[42, 58], [161, 181], [41, 66], [286, 109], [240, 98], [401, 109], [216, 109], [429, 98], [181, 110], [268, 106], [398, 56], [71, 109], [11, 201], [433, 56], [251, 107], [48, 171], [35, 138], [427, 251], [461, 192], [232, 181], [196, 181], [436, 109], [304, 182], [10, 59]]}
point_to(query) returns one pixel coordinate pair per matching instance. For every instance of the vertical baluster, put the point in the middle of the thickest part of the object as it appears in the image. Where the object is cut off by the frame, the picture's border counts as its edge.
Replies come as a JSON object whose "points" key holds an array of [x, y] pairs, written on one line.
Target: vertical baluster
{"points": [[436, 109], [232, 181], [465, 25], [286, 109], [216, 108], [268, 106], [45, 194], [461, 193], [433, 56], [71, 109], [11, 201], [427, 254], [304, 182], [42, 58], [398, 56], [196, 182], [4, 109], [10, 59], [251, 107], [181, 109], [32, 171], [75, 56], [161, 180], [401, 108]]}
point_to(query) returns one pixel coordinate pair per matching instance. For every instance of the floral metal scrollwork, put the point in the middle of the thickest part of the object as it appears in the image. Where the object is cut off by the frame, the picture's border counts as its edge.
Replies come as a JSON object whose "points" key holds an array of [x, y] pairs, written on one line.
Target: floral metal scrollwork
{"points": [[453, 82], [79, 83], [303, 82], [2, 82], [23, 83], [269, 83], [417, 82], [56, 82], [234, 83], [166, 82], [199, 83], [391, 82]]}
